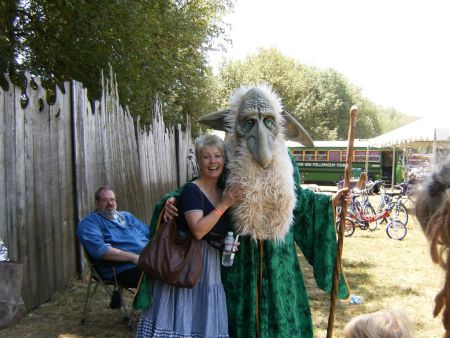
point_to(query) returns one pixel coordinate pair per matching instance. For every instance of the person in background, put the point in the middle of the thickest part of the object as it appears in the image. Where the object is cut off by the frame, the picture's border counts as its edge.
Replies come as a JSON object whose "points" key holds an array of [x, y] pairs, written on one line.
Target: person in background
{"points": [[200, 311], [433, 214], [110, 235], [380, 324], [399, 173]]}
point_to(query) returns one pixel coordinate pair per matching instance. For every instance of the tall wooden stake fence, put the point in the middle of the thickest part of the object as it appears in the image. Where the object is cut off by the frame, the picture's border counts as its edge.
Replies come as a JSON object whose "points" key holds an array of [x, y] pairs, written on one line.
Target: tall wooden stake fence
{"points": [[54, 157]]}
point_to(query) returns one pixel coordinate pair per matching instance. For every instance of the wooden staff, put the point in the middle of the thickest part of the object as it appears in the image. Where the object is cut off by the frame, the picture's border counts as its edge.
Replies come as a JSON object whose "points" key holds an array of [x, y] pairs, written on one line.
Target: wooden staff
{"points": [[342, 216]]}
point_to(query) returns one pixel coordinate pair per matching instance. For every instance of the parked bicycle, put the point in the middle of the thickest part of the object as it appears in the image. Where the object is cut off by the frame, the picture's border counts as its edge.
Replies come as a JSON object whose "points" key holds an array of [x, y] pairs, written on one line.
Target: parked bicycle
{"points": [[356, 217], [395, 200], [358, 210], [362, 197]]}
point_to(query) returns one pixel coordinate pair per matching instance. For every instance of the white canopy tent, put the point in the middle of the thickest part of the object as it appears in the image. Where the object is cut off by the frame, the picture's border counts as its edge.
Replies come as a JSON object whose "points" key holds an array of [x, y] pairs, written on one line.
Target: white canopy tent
{"points": [[421, 133]]}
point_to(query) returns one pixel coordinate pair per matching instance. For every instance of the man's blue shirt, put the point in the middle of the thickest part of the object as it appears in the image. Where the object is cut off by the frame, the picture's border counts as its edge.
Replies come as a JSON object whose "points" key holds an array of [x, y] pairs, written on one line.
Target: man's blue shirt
{"points": [[98, 234]]}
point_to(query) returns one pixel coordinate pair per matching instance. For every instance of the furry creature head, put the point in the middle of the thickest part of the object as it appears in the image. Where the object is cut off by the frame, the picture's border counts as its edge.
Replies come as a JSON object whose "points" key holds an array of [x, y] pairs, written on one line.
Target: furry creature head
{"points": [[259, 162], [255, 119]]}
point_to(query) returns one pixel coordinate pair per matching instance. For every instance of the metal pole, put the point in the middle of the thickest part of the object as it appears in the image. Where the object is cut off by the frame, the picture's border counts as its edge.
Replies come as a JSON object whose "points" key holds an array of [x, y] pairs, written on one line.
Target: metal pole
{"points": [[394, 166]]}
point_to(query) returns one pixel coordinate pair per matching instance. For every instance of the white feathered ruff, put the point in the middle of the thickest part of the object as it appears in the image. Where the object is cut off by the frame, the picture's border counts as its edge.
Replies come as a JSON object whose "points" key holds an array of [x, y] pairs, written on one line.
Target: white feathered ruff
{"points": [[266, 211], [269, 195]]}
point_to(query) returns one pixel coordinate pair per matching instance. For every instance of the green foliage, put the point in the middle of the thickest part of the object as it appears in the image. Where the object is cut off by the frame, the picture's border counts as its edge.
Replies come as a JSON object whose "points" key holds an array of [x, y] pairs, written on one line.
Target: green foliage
{"points": [[391, 119], [155, 47], [158, 48], [7, 37], [319, 99]]}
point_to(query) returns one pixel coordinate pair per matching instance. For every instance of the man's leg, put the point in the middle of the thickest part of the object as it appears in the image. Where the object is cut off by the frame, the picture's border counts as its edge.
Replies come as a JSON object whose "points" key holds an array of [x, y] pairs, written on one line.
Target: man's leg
{"points": [[129, 278]]}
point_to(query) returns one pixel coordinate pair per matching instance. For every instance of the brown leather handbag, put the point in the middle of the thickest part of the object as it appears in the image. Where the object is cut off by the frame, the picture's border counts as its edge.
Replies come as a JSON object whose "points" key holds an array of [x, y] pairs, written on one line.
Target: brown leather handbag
{"points": [[172, 256]]}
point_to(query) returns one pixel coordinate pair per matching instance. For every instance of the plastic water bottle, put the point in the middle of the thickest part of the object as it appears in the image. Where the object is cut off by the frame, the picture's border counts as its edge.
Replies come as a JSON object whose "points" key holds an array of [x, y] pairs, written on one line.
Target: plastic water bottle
{"points": [[355, 299], [228, 251]]}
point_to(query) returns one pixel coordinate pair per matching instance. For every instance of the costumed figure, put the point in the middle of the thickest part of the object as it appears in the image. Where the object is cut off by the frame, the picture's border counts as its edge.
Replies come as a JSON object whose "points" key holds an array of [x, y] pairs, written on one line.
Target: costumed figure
{"points": [[265, 291]]}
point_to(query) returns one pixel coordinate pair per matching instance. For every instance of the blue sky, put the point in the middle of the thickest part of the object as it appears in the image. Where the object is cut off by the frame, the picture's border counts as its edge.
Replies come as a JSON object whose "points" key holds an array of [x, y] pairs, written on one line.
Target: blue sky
{"points": [[397, 51]]}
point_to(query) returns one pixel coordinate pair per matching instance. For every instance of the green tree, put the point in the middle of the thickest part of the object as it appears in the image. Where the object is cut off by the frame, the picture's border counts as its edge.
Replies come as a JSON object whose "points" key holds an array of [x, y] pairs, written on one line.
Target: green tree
{"points": [[155, 47], [319, 99], [391, 119], [8, 56]]}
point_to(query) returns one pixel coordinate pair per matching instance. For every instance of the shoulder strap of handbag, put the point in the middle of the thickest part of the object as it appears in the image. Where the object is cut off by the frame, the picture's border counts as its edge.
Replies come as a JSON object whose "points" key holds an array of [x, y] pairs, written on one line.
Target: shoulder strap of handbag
{"points": [[160, 217]]}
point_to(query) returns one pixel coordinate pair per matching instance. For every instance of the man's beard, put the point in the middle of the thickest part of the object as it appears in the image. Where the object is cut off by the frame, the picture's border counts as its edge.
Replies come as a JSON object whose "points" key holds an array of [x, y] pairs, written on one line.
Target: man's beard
{"points": [[109, 214]]}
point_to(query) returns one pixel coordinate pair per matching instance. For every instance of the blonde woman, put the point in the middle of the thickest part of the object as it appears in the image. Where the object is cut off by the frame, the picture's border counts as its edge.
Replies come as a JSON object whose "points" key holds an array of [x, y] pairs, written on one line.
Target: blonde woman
{"points": [[200, 311]]}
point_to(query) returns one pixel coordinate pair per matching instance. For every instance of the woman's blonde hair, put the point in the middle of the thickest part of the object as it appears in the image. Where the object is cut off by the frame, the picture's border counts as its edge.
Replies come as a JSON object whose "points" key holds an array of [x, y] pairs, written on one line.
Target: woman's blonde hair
{"points": [[380, 324], [433, 213], [208, 140]]}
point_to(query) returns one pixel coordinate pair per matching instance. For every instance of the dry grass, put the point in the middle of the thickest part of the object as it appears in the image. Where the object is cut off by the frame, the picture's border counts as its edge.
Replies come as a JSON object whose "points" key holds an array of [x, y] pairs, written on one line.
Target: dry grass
{"points": [[384, 272], [387, 274]]}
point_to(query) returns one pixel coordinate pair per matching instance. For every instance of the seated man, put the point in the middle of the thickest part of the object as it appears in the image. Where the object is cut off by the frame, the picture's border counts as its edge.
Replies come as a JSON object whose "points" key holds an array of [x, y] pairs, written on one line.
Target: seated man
{"points": [[111, 235]]}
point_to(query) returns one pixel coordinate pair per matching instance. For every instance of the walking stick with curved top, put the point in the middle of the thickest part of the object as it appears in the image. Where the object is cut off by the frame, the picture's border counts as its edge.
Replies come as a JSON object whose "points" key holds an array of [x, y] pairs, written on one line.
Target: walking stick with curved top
{"points": [[343, 215]]}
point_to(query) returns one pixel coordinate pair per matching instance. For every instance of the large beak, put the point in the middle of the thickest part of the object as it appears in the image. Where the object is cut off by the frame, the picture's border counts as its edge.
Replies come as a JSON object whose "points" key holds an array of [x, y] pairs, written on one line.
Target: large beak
{"points": [[260, 143]]}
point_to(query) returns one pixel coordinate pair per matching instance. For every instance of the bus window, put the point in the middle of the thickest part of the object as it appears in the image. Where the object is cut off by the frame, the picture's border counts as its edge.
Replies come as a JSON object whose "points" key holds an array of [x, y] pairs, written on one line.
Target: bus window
{"points": [[360, 156], [322, 155], [335, 155], [310, 155], [374, 156], [297, 155]]}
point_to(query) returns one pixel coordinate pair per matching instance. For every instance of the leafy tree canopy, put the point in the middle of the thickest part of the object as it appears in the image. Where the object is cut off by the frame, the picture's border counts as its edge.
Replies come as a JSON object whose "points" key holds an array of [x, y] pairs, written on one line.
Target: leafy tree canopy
{"points": [[319, 99], [158, 48], [155, 47]]}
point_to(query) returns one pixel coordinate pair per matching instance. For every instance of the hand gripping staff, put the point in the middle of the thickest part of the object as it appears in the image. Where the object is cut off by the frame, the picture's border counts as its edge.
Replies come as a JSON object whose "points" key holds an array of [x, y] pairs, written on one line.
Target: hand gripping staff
{"points": [[343, 215]]}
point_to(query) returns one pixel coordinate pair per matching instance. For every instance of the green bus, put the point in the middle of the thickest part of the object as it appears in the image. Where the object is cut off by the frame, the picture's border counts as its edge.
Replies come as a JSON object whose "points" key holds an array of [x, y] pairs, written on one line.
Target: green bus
{"points": [[325, 162]]}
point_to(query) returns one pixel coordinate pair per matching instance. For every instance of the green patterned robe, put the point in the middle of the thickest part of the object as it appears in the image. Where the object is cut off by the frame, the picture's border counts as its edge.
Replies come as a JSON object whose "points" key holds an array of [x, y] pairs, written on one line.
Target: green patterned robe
{"points": [[265, 284]]}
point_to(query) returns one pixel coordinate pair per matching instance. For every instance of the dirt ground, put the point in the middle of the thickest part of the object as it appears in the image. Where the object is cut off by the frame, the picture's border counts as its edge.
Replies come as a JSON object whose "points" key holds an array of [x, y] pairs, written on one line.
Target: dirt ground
{"points": [[61, 317]]}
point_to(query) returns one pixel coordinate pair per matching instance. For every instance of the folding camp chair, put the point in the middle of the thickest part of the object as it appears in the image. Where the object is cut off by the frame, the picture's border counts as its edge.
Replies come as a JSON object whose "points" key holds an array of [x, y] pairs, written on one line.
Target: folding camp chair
{"points": [[110, 286]]}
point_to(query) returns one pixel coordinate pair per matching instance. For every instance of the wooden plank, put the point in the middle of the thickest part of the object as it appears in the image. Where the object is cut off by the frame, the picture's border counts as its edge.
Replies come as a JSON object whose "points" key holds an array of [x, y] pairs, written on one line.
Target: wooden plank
{"points": [[40, 223], [58, 205], [79, 156], [66, 191], [143, 151], [12, 239], [4, 104], [21, 178], [31, 294], [137, 187], [77, 111], [58, 142], [22, 221]]}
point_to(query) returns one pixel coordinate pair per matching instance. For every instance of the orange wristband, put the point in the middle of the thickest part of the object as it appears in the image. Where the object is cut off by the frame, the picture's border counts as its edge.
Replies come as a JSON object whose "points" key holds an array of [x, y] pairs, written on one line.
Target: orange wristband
{"points": [[218, 212]]}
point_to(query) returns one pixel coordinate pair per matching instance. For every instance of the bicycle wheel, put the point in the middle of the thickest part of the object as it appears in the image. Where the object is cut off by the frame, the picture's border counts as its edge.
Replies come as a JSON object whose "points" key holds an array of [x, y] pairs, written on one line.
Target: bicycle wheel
{"points": [[399, 212], [396, 229], [369, 211], [349, 227]]}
